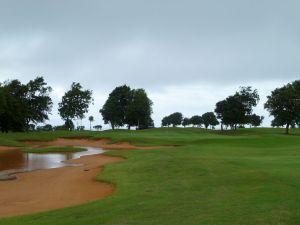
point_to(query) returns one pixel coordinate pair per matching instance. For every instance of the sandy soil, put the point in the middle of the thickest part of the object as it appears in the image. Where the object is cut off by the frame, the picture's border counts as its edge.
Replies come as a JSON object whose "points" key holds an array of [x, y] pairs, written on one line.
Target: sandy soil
{"points": [[45, 190], [50, 189], [5, 148], [100, 143]]}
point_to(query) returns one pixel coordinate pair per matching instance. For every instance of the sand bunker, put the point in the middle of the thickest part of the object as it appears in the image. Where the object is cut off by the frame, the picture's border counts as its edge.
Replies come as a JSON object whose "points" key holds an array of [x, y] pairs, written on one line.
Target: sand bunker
{"points": [[55, 188], [50, 189], [98, 143]]}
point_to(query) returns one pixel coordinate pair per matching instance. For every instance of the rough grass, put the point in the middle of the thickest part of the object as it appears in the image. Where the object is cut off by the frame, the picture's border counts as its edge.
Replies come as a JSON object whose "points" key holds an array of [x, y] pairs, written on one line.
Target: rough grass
{"points": [[53, 149], [250, 176]]}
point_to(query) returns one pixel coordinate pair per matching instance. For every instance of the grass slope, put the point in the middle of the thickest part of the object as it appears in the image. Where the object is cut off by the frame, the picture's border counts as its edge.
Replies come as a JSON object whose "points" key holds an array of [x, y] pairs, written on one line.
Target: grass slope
{"points": [[53, 149], [250, 176]]}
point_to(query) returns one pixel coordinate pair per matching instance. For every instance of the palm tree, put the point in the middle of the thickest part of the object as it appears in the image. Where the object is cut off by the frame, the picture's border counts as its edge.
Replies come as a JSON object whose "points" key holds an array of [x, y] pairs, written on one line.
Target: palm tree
{"points": [[91, 119]]}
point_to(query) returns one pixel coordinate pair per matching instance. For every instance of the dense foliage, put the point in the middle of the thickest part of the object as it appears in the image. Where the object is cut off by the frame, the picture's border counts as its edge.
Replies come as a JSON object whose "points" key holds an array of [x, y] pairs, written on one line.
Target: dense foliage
{"points": [[22, 104], [126, 106], [236, 109], [284, 105], [174, 119], [74, 104]]}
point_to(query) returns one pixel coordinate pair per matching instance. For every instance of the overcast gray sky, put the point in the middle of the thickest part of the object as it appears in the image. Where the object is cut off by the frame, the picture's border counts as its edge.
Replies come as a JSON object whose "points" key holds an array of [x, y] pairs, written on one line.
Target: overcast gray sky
{"points": [[186, 54]]}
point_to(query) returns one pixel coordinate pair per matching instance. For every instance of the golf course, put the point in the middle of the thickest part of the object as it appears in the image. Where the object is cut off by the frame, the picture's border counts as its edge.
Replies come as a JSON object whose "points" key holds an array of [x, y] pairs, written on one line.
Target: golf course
{"points": [[186, 176]]}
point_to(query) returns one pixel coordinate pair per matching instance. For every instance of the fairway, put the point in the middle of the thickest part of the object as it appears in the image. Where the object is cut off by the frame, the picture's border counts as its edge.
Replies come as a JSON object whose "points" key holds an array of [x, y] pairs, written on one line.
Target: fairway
{"points": [[249, 176]]}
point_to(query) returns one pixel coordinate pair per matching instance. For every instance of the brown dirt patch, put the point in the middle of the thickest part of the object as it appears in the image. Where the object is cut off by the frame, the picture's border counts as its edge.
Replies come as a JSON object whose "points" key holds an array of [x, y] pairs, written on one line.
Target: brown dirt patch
{"points": [[50, 189], [99, 143], [5, 148]]}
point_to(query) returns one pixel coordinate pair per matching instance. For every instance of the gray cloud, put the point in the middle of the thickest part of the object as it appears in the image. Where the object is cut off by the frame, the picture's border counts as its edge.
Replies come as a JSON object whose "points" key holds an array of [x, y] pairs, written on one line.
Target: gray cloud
{"points": [[158, 45]]}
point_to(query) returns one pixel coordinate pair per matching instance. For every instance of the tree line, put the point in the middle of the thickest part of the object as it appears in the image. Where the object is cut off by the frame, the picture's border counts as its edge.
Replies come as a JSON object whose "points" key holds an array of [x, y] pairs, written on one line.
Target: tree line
{"points": [[176, 119], [237, 110], [23, 106]]}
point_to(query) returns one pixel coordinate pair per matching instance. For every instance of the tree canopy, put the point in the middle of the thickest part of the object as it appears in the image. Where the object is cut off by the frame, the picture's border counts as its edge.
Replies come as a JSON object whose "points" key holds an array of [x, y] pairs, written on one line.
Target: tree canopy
{"points": [[237, 108], [196, 121], [22, 104], [186, 122], [209, 119], [284, 105], [174, 119], [75, 103], [127, 107]]}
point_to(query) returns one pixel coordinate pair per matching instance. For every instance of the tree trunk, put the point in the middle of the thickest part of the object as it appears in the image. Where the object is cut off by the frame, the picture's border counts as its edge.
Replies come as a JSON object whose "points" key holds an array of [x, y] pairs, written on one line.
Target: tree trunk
{"points": [[287, 128], [222, 127]]}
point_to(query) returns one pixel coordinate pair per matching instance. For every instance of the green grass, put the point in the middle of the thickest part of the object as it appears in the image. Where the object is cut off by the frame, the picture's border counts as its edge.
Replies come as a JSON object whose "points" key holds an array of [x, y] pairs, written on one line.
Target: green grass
{"points": [[249, 176], [53, 149]]}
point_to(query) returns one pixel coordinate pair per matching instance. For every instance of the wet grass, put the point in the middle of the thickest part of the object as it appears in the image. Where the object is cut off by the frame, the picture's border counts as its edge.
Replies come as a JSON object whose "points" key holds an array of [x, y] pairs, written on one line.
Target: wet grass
{"points": [[249, 176]]}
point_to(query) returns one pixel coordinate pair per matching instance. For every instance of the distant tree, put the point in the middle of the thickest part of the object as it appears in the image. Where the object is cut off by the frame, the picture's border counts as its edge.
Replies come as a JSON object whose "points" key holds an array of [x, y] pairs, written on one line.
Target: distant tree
{"points": [[284, 105], [186, 122], [166, 121], [237, 108], [80, 128], [61, 127], [196, 121], [91, 119], [128, 107], [97, 127], [47, 127], [114, 109], [75, 103], [139, 110], [176, 119], [209, 119], [255, 120]]}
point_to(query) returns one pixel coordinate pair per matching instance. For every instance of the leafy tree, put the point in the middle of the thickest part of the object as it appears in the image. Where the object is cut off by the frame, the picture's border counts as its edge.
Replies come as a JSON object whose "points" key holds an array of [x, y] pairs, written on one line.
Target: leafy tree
{"points": [[75, 103], [128, 107], [186, 122], [37, 101], [91, 119], [23, 103], [166, 121], [209, 119], [114, 109], [47, 127], [196, 121], [97, 127], [80, 128], [237, 108], [284, 105], [176, 119], [139, 110], [12, 106], [255, 120]]}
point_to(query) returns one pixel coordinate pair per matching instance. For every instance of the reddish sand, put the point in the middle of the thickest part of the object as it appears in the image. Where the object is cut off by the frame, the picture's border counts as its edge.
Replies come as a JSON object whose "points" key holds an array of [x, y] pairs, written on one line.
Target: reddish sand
{"points": [[5, 148], [50, 189], [100, 143]]}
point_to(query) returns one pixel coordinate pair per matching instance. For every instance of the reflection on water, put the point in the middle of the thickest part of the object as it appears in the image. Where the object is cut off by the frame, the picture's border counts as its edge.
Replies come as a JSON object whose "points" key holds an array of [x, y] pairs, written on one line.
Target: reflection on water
{"points": [[16, 161]]}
